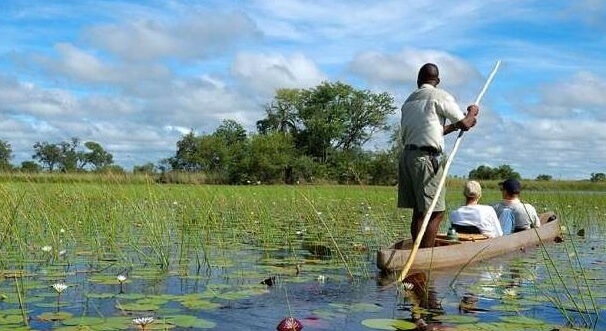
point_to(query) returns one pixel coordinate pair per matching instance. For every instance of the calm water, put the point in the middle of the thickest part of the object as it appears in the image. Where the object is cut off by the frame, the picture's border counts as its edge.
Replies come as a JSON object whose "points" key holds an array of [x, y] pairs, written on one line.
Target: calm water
{"points": [[226, 293]]}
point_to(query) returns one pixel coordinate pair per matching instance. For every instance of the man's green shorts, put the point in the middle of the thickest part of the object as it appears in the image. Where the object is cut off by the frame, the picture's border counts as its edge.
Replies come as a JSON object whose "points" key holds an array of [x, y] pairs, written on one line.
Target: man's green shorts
{"points": [[418, 180]]}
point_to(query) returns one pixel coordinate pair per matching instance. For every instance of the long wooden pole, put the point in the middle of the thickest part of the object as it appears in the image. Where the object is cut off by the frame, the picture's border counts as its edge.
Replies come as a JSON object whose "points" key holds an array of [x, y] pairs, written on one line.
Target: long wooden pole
{"points": [[417, 242]]}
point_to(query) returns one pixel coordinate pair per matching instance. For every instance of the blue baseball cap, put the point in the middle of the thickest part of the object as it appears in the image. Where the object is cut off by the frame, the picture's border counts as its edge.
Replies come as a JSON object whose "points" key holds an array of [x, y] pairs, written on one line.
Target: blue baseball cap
{"points": [[512, 186]]}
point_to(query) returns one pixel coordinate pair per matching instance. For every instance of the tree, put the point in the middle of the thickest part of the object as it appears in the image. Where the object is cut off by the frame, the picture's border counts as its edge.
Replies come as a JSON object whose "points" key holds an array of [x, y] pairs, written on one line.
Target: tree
{"points": [[281, 113], [598, 177], [70, 157], [335, 115], [506, 172], [6, 155], [329, 116], [205, 153], [481, 172], [269, 156], [231, 132], [112, 169], [148, 168], [30, 166], [486, 173], [185, 158], [67, 156], [383, 168], [49, 155], [544, 177], [97, 156]]}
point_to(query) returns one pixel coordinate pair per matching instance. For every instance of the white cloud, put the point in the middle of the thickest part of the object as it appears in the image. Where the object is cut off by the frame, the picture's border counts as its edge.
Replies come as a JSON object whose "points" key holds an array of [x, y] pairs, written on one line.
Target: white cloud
{"points": [[581, 96], [402, 67], [134, 76], [194, 35], [265, 73], [80, 66]]}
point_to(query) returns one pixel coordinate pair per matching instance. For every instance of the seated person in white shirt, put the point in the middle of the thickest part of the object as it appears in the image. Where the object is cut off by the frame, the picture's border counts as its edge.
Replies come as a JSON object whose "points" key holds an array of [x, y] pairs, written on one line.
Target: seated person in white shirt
{"points": [[473, 217]]}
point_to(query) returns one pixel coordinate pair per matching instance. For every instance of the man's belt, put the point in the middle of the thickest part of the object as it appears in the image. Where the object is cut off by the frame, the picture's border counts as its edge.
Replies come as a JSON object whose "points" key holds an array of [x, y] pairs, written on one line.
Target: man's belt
{"points": [[428, 149]]}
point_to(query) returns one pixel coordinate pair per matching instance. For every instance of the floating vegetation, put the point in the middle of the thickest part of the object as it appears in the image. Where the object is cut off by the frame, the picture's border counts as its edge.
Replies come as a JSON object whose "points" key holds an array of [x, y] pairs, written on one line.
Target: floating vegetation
{"points": [[102, 256], [389, 324]]}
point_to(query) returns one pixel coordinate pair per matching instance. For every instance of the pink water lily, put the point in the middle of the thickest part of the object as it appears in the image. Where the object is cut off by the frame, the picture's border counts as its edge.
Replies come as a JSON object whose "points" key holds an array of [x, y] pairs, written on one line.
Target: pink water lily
{"points": [[290, 324]]}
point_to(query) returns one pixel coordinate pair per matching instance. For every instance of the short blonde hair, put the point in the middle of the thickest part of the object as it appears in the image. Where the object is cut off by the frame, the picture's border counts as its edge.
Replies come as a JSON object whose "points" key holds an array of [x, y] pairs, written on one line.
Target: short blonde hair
{"points": [[472, 189]]}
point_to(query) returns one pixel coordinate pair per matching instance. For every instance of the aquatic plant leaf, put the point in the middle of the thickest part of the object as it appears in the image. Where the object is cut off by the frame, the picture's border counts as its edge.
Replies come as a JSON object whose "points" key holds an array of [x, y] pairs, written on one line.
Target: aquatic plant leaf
{"points": [[500, 326], [75, 328], [200, 304], [509, 307], [356, 307], [456, 319], [11, 319], [160, 325], [135, 306], [187, 321], [14, 299], [155, 300], [388, 324], [58, 316], [522, 320], [100, 295], [482, 327], [15, 311], [365, 307], [328, 314], [131, 296], [115, 323]]}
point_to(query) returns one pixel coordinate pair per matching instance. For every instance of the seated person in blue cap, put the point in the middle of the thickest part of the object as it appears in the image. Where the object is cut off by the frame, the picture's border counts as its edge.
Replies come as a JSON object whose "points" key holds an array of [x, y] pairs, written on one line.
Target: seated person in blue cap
{"points": [[513, 214], [473, 217]]}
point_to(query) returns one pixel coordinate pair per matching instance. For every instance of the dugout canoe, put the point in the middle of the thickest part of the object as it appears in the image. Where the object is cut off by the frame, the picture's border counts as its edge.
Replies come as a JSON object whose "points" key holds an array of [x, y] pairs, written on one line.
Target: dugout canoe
{"points": [[469, 248]]}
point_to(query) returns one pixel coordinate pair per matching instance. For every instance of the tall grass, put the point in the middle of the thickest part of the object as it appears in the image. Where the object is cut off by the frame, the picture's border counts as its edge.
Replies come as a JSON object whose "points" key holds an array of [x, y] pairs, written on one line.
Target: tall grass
{"points": [[201, 228]]}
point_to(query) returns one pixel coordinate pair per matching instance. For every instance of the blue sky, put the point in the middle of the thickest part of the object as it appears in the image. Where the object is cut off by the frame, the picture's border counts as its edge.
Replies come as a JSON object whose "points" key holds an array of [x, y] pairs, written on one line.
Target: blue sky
{"points": [[136, 75]]}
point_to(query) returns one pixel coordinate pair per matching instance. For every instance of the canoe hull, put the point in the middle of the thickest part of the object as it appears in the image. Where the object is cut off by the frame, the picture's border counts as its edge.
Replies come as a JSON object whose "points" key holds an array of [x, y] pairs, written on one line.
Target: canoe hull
{"points": [[392, 259]]}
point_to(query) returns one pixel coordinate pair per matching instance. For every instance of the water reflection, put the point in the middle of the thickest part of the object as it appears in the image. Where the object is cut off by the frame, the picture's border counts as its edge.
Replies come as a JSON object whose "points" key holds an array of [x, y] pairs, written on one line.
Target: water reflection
{"points": [[546, 290], [419, 297], [256, 288]]}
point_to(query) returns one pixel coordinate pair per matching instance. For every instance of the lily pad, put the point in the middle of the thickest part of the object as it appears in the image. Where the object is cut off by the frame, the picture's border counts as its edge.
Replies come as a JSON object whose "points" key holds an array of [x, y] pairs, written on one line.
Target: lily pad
{"points": [[456, 319], [200, 304], [356, 307], [388, 324], [187, 321], [58, 316], [11, 319], [522, 320]]}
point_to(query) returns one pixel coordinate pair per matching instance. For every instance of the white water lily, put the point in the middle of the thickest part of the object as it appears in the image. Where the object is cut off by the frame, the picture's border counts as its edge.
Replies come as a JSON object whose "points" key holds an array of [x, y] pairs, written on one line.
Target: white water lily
{"points": [[62, 230], [321, 278], [408, 286], [62, 252], [47, 248], [143, 321], [509, 292], [59, 287], [121, 278]]}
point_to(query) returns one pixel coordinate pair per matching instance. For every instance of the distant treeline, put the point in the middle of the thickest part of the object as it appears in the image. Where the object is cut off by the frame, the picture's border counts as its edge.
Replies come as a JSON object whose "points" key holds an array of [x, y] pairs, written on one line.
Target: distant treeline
{"points": [[311, 135]]}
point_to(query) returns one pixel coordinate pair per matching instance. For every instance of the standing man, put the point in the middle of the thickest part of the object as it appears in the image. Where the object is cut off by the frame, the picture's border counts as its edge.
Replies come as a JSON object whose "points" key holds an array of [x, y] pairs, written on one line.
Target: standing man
{"points": [[423, 127]]}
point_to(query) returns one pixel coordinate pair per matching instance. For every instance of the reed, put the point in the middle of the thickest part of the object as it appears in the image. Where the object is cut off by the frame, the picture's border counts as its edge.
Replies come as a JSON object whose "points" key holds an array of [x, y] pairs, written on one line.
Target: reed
{"points": [[168, 226]]}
